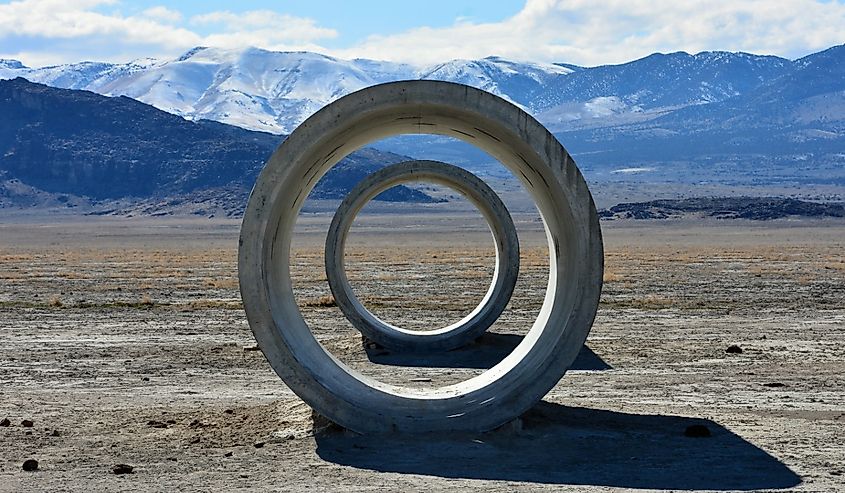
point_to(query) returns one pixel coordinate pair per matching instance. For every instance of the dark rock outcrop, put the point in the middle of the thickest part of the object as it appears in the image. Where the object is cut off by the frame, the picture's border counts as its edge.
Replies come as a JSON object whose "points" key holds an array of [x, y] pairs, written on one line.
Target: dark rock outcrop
{"points": [[755, 208]]}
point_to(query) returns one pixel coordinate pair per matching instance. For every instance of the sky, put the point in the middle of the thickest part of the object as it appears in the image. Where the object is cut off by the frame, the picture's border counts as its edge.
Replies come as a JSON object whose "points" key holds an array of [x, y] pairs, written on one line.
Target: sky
{"points": [[582, 32]]}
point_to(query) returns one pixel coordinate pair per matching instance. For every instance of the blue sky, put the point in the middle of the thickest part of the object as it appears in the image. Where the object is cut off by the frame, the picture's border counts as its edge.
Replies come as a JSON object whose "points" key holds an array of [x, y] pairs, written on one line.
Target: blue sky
{"points": [[584, 32], [355, 20]]}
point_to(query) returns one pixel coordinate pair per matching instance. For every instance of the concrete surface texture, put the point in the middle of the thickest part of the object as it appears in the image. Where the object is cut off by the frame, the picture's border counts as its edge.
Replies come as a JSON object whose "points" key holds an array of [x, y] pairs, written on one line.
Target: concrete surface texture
{"points": [[509, 388], [505, 274]]}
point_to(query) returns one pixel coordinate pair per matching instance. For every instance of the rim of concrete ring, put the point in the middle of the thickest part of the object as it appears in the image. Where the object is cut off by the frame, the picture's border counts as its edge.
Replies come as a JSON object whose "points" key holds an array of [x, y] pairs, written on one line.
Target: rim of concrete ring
{"points": [[506, 132], [505, 273]]}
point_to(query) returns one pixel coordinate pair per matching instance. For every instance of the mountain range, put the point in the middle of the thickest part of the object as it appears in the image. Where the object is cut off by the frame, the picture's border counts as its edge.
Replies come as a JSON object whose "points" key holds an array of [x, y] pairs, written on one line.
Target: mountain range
{"points": [[272, 91], [783, 128], [72, 148], [275, 91], [732, 119]]}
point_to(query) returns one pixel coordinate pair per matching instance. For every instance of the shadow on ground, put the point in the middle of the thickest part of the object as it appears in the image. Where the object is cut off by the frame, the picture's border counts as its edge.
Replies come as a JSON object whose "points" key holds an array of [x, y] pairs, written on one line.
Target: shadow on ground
{"points": [[484, 353], [575, 446]]}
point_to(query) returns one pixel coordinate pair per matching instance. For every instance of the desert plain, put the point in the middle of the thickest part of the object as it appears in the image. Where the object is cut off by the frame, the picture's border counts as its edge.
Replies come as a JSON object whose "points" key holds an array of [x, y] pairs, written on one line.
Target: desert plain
{"points": [[124, 342]]}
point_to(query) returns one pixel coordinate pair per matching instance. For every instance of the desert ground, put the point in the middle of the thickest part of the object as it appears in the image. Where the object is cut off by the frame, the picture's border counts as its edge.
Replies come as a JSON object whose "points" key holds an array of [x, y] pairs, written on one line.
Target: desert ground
{"points": [[124, 342]]}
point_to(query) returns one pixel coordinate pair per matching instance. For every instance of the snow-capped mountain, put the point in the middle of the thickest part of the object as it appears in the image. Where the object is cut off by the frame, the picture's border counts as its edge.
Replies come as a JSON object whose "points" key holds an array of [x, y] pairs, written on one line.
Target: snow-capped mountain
{"points": [[517, 82], [251, 88], [271, 91], [275, 91], [730, 119]]}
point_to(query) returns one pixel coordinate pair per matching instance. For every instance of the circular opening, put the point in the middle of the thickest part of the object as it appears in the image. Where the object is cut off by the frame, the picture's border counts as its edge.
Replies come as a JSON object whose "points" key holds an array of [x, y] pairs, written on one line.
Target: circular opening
{"points": [[445, 243], [420, 266]]}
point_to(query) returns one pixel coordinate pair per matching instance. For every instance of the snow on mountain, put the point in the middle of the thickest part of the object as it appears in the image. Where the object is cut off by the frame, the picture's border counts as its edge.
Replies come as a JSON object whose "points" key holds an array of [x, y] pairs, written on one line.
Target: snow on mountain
{"points": [[667, 80], [276, 91], [251, 88], [82, 75], [517, 82], [272, 91], [11, 64], [9, 69]]}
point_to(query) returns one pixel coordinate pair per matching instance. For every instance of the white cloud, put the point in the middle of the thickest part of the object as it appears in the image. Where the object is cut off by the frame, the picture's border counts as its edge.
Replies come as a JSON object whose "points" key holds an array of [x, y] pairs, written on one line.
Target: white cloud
{"points": [[288, 27], [586, 32], [52, 19], [263, 28], [592, 32], [163, 14], [58, 31]]}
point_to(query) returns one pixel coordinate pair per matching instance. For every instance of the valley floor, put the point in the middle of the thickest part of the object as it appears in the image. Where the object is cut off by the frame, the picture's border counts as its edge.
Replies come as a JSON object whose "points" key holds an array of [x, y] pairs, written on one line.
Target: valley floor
{"points": [[124, 341]]}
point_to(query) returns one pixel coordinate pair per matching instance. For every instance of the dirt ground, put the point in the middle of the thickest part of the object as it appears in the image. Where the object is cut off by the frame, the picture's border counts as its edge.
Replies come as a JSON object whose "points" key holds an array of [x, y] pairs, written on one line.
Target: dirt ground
{"points": [[124, 342]]}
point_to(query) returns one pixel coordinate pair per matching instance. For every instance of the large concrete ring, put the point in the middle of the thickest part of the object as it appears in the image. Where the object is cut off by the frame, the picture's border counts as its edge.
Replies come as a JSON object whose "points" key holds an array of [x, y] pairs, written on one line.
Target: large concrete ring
{"points": [[517, 140], [505, 273]]}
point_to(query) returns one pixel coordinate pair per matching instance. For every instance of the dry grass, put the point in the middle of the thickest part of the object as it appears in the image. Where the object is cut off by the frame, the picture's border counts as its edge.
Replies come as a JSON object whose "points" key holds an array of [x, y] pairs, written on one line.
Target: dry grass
{"points": [[13, 276], [610, 276], [7, 258], [208, 305], [648, 302], [473, 274], [429, 278], [326, 301], [227, 283]]}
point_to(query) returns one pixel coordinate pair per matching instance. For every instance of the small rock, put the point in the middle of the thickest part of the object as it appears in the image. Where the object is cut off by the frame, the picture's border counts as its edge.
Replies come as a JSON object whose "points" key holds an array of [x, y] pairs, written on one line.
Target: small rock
{"points": [[258, 444], [420, 379], [734, 349], [229, 411], [122, 469], [171, 421], [146, 379], [55, 433], [28, 433], [195, 440], [697, 431], [27, 423], [172, 459], [5, 422], [156, 424], [228, 454], [774, 384], [30, 465], [251, 348]]}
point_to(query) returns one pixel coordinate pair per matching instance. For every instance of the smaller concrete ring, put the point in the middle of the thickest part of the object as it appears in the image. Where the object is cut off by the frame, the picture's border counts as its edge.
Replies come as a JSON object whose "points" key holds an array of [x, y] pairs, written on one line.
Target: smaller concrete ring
{"points": [[505, 274]]}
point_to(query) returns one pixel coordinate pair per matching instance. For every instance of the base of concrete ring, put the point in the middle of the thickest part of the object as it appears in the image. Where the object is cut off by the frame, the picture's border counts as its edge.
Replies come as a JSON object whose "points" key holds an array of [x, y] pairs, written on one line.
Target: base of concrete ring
{"points": [[511, 136], [505, 273]]}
